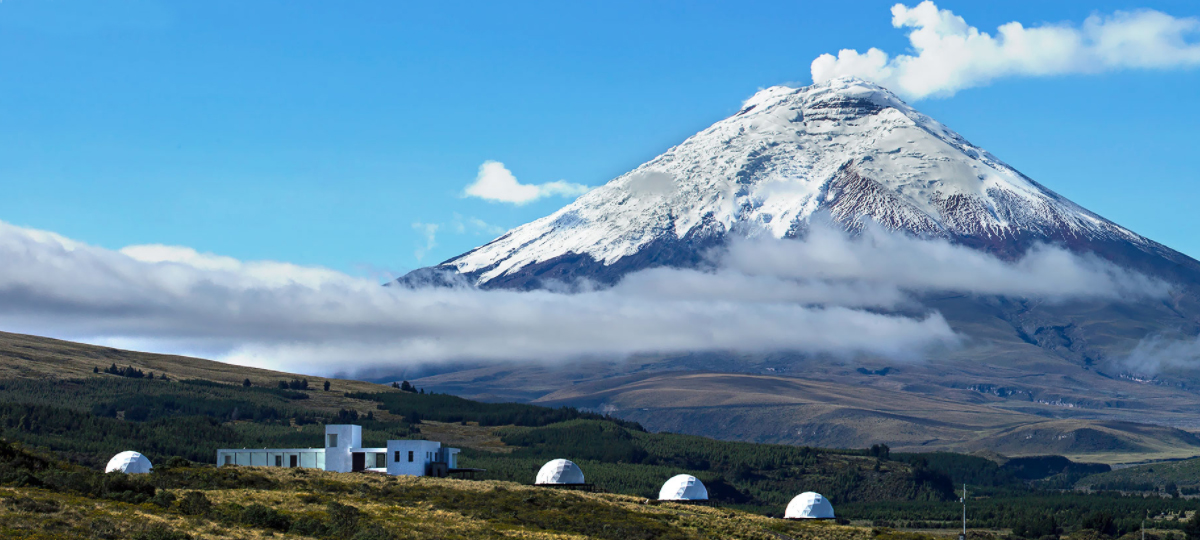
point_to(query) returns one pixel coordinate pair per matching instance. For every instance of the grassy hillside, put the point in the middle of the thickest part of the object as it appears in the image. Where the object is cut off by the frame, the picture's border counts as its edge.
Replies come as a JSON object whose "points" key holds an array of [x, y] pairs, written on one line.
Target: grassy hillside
{"points": [[78, 415], [43, 498], [1167, 478], [839, 413]]}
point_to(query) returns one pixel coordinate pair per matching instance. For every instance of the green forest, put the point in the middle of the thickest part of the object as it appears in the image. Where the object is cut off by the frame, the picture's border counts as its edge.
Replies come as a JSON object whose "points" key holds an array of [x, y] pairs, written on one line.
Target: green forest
{"points": [[86, 421]]}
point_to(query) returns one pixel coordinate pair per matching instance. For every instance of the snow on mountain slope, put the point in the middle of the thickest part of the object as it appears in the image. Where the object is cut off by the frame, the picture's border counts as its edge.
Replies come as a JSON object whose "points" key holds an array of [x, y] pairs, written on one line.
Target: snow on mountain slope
{"points": [[846, 147]]}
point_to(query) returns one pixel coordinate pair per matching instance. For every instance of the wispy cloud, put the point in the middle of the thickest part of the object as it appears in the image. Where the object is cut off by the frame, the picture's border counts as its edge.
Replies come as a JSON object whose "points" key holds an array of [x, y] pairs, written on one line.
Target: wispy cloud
{"points": [[1155, 354], [496, 183], [428, 233], [828, 294], [473, 225], [952, 55]]}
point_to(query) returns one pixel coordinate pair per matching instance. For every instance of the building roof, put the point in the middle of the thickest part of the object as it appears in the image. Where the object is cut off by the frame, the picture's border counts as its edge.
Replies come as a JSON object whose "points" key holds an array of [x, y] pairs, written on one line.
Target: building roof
{"points": [[559, 471], [129, 462], [683, 487], [809, 505]]}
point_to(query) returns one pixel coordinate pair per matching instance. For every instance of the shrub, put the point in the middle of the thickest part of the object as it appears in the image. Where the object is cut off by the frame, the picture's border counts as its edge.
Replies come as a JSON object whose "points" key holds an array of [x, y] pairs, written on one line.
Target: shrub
{"points": [[372, 532], [195, 503], [309, 526], [163, 498], [343, 518], [257, 515], [160, 532], [35, 506]]}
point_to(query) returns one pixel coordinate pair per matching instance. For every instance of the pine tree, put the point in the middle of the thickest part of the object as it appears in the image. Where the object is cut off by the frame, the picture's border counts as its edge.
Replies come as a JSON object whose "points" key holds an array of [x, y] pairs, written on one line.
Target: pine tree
{"points": [[1192, 529]]}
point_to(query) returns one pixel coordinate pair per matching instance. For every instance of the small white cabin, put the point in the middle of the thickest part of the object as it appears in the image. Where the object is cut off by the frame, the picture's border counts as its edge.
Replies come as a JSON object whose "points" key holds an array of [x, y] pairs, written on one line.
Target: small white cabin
{"points": [[343, 452]]}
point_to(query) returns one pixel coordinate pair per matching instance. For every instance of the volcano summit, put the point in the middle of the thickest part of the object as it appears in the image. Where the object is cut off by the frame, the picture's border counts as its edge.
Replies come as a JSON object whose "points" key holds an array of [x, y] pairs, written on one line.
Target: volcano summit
{"points": [[850, 154], [845, 148]]}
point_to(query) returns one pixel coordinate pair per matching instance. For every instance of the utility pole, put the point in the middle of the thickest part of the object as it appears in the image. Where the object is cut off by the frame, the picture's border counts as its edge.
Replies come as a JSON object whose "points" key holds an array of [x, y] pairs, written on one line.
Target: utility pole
{"points": [[963, 536]]}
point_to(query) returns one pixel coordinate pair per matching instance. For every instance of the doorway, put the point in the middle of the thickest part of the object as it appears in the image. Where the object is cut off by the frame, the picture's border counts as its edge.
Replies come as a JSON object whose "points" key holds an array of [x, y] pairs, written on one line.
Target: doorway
{"points": [[358, 461]]}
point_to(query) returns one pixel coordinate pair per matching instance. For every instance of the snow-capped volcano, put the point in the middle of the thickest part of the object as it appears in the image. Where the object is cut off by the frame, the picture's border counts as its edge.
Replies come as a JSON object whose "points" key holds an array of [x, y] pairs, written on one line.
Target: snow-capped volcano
{"points": [[847, 148]]}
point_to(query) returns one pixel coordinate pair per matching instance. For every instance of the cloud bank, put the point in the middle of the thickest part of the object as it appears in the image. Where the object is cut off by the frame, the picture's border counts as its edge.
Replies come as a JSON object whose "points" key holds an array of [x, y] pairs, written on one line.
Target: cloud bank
{"points": [[758, 296], [496, 183], [952, 55]]}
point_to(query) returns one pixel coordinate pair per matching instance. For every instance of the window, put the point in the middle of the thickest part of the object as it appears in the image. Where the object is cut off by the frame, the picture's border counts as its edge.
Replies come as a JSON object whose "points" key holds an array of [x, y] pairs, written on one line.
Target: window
{"points": [[397, 460], [333, 440], [381, 460], [292, 460], [228, 459], [410, 456], [278, 461]]}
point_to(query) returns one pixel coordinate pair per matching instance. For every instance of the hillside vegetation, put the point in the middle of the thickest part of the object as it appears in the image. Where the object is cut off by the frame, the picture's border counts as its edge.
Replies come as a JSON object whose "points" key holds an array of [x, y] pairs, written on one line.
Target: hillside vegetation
{"points": [[43, 498], [1171, 478], [77, 418]]}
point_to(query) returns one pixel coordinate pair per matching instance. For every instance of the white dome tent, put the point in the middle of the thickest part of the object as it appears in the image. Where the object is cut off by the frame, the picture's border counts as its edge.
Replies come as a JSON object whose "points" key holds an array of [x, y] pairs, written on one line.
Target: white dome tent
{"points": [[129, 462], [809, 505], [559, 472], [683, 487]]}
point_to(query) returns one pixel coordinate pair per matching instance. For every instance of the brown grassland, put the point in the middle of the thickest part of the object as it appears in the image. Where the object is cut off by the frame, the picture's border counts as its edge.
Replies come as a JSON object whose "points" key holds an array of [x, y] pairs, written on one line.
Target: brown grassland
{"points": [[299, 501]]}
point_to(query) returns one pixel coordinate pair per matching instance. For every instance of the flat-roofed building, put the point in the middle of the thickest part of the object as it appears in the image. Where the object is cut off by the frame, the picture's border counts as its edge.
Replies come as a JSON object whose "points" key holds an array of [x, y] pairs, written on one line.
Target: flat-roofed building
{"points": [[343, 452]]}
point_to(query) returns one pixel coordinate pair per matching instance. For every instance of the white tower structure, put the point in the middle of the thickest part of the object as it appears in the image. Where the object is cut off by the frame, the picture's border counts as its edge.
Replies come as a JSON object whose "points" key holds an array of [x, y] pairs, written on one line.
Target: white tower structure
{"points": [[339, 439]]}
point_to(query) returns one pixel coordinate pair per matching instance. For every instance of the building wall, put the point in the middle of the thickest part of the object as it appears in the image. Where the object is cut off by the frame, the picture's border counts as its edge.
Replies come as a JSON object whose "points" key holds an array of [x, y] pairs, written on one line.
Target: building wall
{"points": [[337, 456], [449, 456], [307, 458], [423, 453]]}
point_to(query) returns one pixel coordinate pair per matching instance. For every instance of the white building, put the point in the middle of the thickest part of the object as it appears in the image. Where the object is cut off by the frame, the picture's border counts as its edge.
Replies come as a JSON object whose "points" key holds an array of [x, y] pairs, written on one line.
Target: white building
{"points": [[559, 472], [129, 462], [343, 452], [683, 487], [809, 505]]}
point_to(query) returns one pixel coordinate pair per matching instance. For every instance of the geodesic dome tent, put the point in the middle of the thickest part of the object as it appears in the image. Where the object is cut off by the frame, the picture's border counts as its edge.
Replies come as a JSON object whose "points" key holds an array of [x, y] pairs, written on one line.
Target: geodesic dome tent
{"points": [[683, 487], [559, 472], [809, 505], [129, 462]]}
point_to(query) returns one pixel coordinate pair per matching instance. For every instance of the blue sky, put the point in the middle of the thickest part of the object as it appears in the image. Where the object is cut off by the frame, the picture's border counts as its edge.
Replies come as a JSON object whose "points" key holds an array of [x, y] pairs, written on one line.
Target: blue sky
{"points": [[319, 132]]}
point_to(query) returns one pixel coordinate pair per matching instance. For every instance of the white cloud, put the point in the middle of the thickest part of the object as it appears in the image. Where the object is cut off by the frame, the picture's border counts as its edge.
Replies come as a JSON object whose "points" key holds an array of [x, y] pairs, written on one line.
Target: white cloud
{"points": [[824, 295], [881, 259], [318, 320], [952, 55], [1157, 353], [429, 235], [470, 224], [496, 183]]}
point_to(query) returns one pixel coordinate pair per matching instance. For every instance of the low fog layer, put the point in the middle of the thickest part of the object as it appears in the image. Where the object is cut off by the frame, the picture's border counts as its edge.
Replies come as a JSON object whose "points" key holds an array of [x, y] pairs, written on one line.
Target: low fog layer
{"points": [[759, 296]]}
